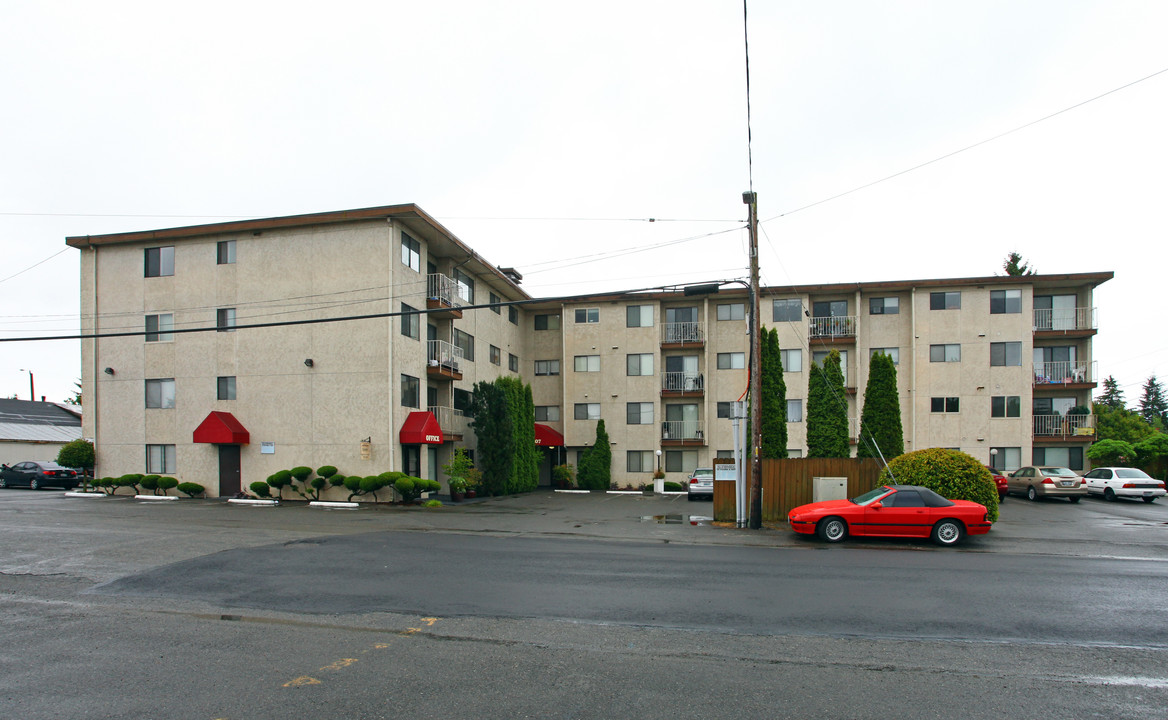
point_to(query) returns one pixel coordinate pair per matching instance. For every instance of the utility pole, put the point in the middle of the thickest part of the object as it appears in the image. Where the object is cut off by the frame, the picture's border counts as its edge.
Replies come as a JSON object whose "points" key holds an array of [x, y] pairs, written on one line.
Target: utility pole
{"points": [[750, 198]]}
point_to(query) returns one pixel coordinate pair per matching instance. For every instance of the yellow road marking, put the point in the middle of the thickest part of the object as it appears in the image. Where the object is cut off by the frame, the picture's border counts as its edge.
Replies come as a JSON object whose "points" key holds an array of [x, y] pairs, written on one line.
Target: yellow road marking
{"points": [[301, 681], [429, 621], [343, 662]]}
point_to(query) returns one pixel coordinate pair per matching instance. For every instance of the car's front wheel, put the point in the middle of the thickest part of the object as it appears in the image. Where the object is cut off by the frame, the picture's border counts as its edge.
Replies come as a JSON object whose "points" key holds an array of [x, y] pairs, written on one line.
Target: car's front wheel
{"points": [[948, 532], [832, 529], [1031, 493]]}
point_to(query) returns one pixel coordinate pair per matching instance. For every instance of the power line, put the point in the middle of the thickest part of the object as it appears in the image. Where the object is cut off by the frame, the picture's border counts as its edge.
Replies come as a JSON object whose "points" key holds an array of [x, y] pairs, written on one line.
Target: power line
{"points": [[30, 267]]}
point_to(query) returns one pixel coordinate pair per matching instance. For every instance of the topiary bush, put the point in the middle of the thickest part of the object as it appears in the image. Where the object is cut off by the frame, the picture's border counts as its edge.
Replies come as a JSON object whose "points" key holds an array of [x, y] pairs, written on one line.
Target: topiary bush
{"points": [[150, 482], [107, 485], [353, 485], [166, 483], [370, 484], [279, 480], [260, 489], [949, 473], [671, 486], [191, 489], [130, 480]]}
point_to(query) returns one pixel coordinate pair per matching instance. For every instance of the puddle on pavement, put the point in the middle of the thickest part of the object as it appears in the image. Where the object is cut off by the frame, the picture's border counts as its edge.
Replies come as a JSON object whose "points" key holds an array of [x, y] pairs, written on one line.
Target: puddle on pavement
{"points": [[677, 519]]}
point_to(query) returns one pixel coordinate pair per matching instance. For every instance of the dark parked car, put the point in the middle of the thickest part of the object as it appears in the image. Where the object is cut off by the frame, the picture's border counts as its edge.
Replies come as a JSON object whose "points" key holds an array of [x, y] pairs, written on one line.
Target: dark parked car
{"points": [[37, 475]]}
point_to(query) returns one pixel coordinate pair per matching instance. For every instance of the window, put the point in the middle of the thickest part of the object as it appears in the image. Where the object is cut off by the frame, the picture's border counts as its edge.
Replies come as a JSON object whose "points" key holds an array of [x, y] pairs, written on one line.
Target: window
{"points": [[787, 310], [160, 459], [884, 306], [225, 388], [732, 311], [1006, 459], [495, 308], [1005, 302], [225, 252], [639, 461], [731, 361], [225, 320], [725, 454], [946, 404], [794, 411], [586, 411], [639, 413], [639, 316], [496, 356], [1006, 406], [792, 360], [547, 322], [945, 301], [411, 253], [640, 364], [462, 400], [159, 262], [465, 285], [944, 353], [891, 352], [587, 363], [411, 322], [1060, 456], [512, 362], [725, 410], [681, 460], [547, 413], [513, 315], [466, 342], [159, 328], [1002, 354], [160, 393], [588, 315], [410, 391], [547, 367]]}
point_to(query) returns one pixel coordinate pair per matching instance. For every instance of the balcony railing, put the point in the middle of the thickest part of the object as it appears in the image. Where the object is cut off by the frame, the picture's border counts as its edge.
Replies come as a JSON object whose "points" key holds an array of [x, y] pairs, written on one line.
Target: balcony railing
{"points": [[833, 327], [683, 382], [683, 332], [446, 357], [682, 430], [443, 290], [1064, 426], [450, 419], [1064, 319], [1063, 372]]}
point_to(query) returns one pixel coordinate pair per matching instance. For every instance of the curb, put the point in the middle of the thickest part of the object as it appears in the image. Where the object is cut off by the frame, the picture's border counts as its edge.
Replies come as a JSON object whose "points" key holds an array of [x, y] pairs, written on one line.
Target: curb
{"points": [[78, 493], [251, 501], [156, 497], [334, 504]]}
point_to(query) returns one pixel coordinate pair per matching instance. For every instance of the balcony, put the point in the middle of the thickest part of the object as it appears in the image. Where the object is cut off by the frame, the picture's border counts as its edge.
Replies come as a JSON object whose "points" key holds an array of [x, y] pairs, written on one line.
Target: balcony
{"points": [[683, 384], [1065, 322], [839, 329], [1064, 375], [443, 360], [453, 422], [1064, 428], [680, 335], [682, 433], [443, 297]]}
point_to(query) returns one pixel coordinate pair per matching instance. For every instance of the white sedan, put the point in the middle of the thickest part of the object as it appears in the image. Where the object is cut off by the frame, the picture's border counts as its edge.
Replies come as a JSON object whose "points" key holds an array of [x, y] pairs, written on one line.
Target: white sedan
{"points": [[1117, 482]]}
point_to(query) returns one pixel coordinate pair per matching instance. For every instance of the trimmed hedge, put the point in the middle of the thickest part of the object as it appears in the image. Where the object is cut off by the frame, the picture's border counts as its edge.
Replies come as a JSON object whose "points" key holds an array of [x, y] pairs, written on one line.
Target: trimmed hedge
{"points": [[191, 489], [949, 473], [260, 489]]}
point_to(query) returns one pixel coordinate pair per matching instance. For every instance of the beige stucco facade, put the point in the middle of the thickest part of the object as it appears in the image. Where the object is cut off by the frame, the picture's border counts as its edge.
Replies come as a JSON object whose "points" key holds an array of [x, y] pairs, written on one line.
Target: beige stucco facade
{"points": [[347, 407]]}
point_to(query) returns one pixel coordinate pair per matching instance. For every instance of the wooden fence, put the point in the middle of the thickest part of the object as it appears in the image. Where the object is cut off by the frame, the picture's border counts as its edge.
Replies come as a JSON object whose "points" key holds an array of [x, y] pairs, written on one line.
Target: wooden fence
{"points": [[789, 483]]}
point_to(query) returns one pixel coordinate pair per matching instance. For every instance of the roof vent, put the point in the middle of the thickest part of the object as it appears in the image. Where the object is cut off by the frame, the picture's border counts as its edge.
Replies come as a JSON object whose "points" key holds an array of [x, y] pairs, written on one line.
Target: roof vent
{"points": [[511, 274]]}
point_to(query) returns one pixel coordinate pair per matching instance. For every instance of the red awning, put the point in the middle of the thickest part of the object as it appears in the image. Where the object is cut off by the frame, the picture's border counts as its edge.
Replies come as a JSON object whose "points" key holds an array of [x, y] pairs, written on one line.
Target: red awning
{"points": [[221, 428], [548, 436], [421, 428]]}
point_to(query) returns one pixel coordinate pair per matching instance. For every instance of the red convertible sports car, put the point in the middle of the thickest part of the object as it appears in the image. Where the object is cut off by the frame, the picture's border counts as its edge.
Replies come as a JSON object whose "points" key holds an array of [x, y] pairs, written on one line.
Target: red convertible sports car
{"points": [[892, 511]]}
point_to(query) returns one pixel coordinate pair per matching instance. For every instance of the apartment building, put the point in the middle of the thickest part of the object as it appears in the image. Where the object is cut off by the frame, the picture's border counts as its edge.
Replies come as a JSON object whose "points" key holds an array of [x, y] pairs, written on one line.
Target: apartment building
{"points": [[354, 338]]}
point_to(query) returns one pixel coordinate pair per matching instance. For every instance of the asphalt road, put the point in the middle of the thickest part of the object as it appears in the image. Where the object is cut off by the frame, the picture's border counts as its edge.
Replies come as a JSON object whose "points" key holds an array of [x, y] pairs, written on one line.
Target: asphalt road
{"points": [[552, 606]]}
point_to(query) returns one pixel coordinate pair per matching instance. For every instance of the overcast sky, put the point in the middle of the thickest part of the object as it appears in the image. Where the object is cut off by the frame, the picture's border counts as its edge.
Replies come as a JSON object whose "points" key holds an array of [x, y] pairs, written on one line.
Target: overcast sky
{"points": [[545, 137]]}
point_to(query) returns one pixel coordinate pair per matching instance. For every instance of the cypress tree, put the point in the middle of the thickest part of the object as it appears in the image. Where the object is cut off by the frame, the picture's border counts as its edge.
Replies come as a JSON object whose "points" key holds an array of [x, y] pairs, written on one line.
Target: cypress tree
{"points": [[881, 432], [827, 410], [774, 397], [595, 471], [494, 431]]}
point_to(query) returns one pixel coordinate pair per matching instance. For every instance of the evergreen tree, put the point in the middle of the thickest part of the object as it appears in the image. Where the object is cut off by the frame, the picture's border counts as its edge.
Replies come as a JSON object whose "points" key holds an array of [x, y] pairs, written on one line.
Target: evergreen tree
{"points": [[595, 471], [1153, 406], [827, 410], [504, 424], [774, 397], [881, 432], [1120, 424], [1015, 267], [1112, 396]]}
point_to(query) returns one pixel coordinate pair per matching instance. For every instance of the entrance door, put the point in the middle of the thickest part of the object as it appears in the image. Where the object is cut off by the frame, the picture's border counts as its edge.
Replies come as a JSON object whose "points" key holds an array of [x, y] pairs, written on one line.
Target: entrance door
{"points": [[229, 482]]}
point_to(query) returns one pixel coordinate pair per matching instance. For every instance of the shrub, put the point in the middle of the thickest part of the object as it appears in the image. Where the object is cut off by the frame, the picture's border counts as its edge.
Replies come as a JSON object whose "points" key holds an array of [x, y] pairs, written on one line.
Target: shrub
{"points": [[336, 480], [326, 471], [260, 489], [671, 486], [78, 454], [107, 485], [300, 474], [191, 489], [279, 480], [1112, 452], [370, 484], [150, 482], [950, 473], [562, 476], [405, 487], [433, 503], [166, 483], [131, 480], [353, 485]]}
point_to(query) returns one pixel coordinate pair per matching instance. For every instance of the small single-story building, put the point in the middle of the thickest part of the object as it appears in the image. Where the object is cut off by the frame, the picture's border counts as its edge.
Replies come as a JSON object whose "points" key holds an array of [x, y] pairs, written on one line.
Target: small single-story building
{"points": [[35, 431]]}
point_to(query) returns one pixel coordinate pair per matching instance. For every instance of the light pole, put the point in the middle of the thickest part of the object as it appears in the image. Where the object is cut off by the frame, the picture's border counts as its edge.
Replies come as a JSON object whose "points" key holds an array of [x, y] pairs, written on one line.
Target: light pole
{"points": [[31, 388], [658, 461]]}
